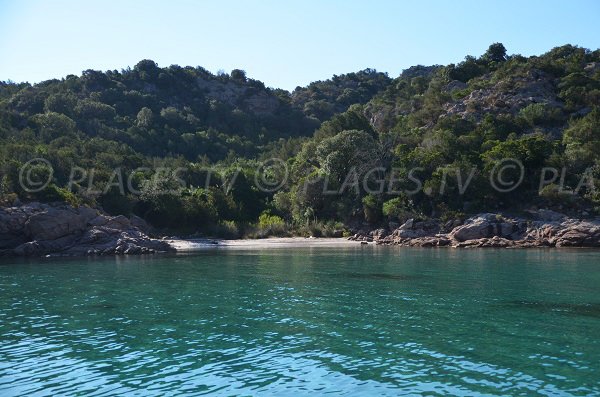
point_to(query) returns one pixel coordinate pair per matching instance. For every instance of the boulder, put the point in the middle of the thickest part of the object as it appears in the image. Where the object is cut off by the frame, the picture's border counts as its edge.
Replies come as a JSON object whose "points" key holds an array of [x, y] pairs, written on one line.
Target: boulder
{"points": [[435, 241], [40, 229], [99, 220], [455, 85], [408, 225], [487, 226], [582, 234], [11, 221], [53, 223], [490, 230], [118, 222], [141, 224], [475, 228], [378, 234], [414, 228], [87, 213], [493, 242], [43, 247], [549, 216]]}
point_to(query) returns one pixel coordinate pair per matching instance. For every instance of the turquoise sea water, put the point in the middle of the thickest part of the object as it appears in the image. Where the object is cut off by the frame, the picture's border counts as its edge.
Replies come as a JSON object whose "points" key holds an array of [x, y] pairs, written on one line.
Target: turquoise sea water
{"points": [[308, 321]]}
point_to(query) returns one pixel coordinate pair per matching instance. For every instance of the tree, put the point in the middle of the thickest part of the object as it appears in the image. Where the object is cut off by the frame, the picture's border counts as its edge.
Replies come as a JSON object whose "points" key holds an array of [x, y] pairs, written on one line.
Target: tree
{"points": [[144, 118], [348, 151], [582, 139], [398, 209], [371, 208], [90, 109], [495, 53], [148, 70], [541, 114], [61, 103], [466, 70], [238, 75], [53, 125]]}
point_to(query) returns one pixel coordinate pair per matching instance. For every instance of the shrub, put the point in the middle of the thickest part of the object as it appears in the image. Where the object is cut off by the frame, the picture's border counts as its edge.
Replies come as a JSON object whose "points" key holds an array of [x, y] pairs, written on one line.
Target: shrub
{"points": [[555, 195], [55, 193], [541, 114], [371, 208], [266, 220], [225, 229], [398, 208], [269, 225]]}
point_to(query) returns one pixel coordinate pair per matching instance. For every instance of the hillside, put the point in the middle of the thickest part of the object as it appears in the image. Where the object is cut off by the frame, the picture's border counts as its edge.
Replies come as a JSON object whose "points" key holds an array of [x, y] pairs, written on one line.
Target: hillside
{"points": [[158, 111], [322, 99], [448, 124]]}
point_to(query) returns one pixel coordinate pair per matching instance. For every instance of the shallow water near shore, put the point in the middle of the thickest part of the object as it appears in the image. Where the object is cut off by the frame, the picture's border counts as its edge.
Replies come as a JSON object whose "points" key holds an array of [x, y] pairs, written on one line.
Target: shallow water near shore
{"points": [[351, 320]]}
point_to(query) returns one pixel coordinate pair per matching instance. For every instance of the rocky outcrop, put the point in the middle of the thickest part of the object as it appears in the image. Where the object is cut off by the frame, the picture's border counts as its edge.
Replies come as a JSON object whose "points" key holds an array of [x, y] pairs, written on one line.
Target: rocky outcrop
{"points": [[544, 229], [409, 230], [487, 226], [507, 96], [40, 229], [414, 228], [235, 94]]}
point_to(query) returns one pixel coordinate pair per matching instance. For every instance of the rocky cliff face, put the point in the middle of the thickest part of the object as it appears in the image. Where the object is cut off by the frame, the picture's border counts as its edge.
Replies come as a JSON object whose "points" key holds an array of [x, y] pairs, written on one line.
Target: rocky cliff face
{"points": [[546, 229], [41, 229]]}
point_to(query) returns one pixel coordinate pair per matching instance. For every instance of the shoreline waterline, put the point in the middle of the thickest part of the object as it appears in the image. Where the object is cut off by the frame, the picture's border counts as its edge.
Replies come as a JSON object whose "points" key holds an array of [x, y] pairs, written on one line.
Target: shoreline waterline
{"points": [[186, 245]]}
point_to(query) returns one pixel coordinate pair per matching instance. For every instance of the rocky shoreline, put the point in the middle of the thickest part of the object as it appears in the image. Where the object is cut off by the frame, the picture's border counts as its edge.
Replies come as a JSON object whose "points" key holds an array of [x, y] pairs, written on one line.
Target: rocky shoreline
{"points": [[36, 229], [489, 230]]}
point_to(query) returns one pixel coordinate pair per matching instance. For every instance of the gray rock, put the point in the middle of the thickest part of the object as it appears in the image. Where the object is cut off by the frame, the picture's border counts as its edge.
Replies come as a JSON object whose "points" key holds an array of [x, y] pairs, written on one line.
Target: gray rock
{"points": [[455, 85], [487, 226], [393, 225], [475, 228], [9, 240], [43, 247], [408, 225], [99, 220], [378, 234], [139, 223], [53, 223], [87, 213], [495, 231], [549, 216], [36, 229], [118, 222]]}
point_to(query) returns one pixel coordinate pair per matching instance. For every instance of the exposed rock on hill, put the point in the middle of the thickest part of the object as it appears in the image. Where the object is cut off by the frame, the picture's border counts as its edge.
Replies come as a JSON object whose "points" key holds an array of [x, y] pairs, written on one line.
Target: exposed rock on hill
{"points": [[508, 95]]}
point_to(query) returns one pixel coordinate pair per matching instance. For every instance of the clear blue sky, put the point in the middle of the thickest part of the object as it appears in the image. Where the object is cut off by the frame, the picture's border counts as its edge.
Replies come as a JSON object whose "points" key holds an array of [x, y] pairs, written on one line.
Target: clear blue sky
{"points": [[284, 43]]}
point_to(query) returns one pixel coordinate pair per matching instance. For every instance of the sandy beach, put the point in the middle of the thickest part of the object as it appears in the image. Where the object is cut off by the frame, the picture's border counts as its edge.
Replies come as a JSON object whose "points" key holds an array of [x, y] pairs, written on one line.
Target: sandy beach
{"points": [[276, 242]]}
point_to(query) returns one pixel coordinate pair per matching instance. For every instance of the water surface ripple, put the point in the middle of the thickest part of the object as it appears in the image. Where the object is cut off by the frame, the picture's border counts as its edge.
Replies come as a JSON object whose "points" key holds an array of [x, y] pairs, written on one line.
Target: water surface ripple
{"points": [[345, 321]]}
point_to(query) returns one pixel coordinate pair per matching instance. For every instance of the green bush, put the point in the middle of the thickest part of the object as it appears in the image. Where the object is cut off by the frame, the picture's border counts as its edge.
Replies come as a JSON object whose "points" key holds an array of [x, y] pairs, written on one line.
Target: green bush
{"points": [[541, 114], [371, 208], [266, 220], [398, 208], [555, 195], [269, 225], [54, 193], [225, 229]]}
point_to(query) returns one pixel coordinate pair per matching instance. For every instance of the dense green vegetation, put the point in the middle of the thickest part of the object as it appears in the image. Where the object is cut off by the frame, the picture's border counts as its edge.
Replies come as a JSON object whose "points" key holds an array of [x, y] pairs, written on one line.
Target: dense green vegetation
{"points": [[416, 140]]}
